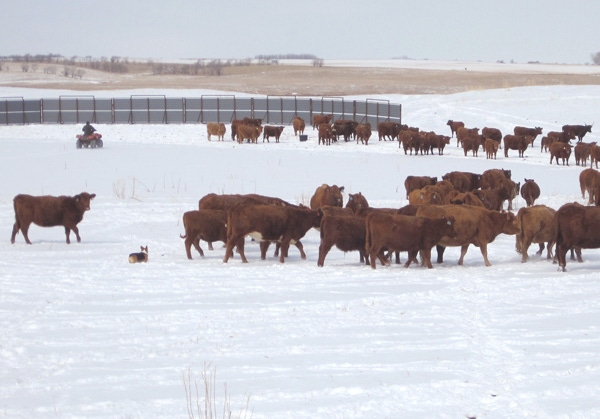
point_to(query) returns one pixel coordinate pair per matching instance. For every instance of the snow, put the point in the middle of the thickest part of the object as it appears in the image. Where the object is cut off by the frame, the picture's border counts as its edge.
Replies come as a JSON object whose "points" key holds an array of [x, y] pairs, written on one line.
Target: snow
{"points": [[83, 333]]}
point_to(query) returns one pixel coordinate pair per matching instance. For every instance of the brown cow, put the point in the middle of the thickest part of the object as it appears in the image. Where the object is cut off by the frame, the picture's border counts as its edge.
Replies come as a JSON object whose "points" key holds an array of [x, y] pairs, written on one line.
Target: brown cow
{"points": [[50, 211], [417, 182], [493, 199], [594, 155], [463, 198], [234, 124], [560, 150], [388, 129], [321, 119], [530, 191], [428, 195], [207, 225], [299, 125], [472, 142], [582, 152], [327, 195], [536, 225], [492, 178], [454, 126], [517, 142], [272, 131], [589, 180], [463, 181], [255, 122], [576, 226], [578, 130], [325, 134], [216, 128], [285, 225], [439, 142], [463, 133], [546, 143], [347, 233], [345, 128], [409, 140], [532, 132], [492, 134], [248, 132], [357, 202], [363, 133], [562, 136], [491, 148], [474, 225], [405, 233]]}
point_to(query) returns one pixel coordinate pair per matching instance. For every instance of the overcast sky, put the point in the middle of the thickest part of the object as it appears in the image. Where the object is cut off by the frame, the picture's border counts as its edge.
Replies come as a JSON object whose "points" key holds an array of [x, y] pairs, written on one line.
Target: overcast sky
{"points": [[553, 31]]}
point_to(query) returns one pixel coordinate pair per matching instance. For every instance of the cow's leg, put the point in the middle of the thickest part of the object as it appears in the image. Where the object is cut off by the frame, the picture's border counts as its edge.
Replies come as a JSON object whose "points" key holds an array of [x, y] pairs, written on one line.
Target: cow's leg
{"points": [[541, 248], [483, 248], [231, 242], [264, 246], [210, 246], [300, 247], [561, 255], [426, 256], [16, 228], [188, 247], [196, 243], [68, 233], [285, 245], [463, 252], [324, 248], [524, 249], [440, 253]]}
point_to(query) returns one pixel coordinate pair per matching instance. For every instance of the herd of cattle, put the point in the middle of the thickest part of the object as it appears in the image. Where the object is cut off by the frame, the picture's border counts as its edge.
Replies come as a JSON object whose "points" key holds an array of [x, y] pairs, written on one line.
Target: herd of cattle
{"points": [[412, 139], [461, 209]]}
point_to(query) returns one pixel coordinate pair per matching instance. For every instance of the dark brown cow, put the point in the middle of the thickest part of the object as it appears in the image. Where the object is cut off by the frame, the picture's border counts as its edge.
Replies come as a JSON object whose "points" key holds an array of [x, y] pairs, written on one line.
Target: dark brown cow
{"points": [[417, 182], [517, 142], [327, 195], [463, 198], [285, 225], [409, 140], [405, 233], [491, 148], [347, 233], [474, 225], [536, 225], [363, 133], [255, 122], [560, 150], [493, 199], [439, 142], [325, 134], [492, 133], [234, 124], [578, 130], [589, 181], [272, 131], [577, 226], [50, 211], [454, 126], [207, 225], [248, 132], [582, 152], [492, 178], [388, 130], [530, 191], [532, 132], [216, 128], [321, 119], [345, 128], [562, 136], [357, 202], [299, 125]]}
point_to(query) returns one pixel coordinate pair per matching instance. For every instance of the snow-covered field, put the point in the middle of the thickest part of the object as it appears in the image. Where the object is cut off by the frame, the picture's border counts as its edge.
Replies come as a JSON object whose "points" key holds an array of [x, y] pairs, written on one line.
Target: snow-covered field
{"points": [[83, 333]]}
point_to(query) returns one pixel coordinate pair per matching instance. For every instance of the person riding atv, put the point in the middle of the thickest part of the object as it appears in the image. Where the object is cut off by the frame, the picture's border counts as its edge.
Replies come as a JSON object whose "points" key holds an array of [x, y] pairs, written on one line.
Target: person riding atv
{"points": [[88, 129], [90, 138]]}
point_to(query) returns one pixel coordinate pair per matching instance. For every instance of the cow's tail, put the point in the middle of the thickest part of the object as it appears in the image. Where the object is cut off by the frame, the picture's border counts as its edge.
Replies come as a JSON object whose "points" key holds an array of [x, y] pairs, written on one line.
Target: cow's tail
{"points": [[368, 238]]}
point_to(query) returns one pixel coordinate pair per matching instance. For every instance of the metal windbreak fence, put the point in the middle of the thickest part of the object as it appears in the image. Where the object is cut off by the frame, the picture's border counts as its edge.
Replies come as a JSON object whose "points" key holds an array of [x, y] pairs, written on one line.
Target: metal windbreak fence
{"points": [[159, 109]]}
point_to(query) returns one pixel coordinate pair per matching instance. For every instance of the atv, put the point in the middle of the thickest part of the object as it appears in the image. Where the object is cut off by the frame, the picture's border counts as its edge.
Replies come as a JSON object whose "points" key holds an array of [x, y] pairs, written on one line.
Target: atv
{"points": [[89, 141]]}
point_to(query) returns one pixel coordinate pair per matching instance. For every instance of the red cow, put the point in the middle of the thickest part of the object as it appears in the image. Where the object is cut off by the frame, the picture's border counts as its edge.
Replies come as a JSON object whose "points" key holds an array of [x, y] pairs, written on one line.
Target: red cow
{"points": [[321, 119], [536, 225], [560, 150], [216, 128], [325, 134], [517, 142], [327, 195], [454, 126], [577, 226], [298, 124], [388, 129], [50, 211], [363, 133], [248, 132], [417, 182], [347, 233], [532, 132], [357, 202], [207, 225], [578, 130], [589, 180], [272, 131], [285, 225], [405, 233]]}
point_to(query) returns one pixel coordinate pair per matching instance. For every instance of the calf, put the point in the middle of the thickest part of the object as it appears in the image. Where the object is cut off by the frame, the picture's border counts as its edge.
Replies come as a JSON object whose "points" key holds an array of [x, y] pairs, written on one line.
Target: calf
{"points": [[491, 148], [517, 142], [472, 142], [530, 191], [417, 182], [576, 226], [428, 195], [536, 225], [347, 233], [321, 119], [439, 142], [345, 128], [474, 225], [582, 152], [363, 133], [357, 202], [50, 211], [285, 225], [325, 134], [216, 128], [462, 133], [248, 132], [589, 180], [207, 225], [405, 233], [272, 131]]}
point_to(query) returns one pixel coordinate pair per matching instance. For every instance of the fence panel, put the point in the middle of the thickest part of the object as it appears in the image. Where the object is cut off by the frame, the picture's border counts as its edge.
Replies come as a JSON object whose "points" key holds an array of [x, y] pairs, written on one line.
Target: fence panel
{"points": [[159, 109]]}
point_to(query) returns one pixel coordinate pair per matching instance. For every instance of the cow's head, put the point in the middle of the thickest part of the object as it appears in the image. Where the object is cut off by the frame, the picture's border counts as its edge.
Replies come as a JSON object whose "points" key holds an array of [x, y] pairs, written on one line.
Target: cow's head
{"points": [[84, 199]]}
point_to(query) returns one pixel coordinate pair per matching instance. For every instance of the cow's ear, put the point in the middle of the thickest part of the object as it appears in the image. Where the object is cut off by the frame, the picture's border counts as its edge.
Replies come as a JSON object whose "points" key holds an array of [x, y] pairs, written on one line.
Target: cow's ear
{"points": [[76, 198], [341, 189], [92, 196]]}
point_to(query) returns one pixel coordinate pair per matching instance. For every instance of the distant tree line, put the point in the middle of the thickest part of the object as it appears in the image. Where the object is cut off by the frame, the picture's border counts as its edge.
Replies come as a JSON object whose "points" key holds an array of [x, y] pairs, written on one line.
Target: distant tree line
{"points": [[268, 57]]}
